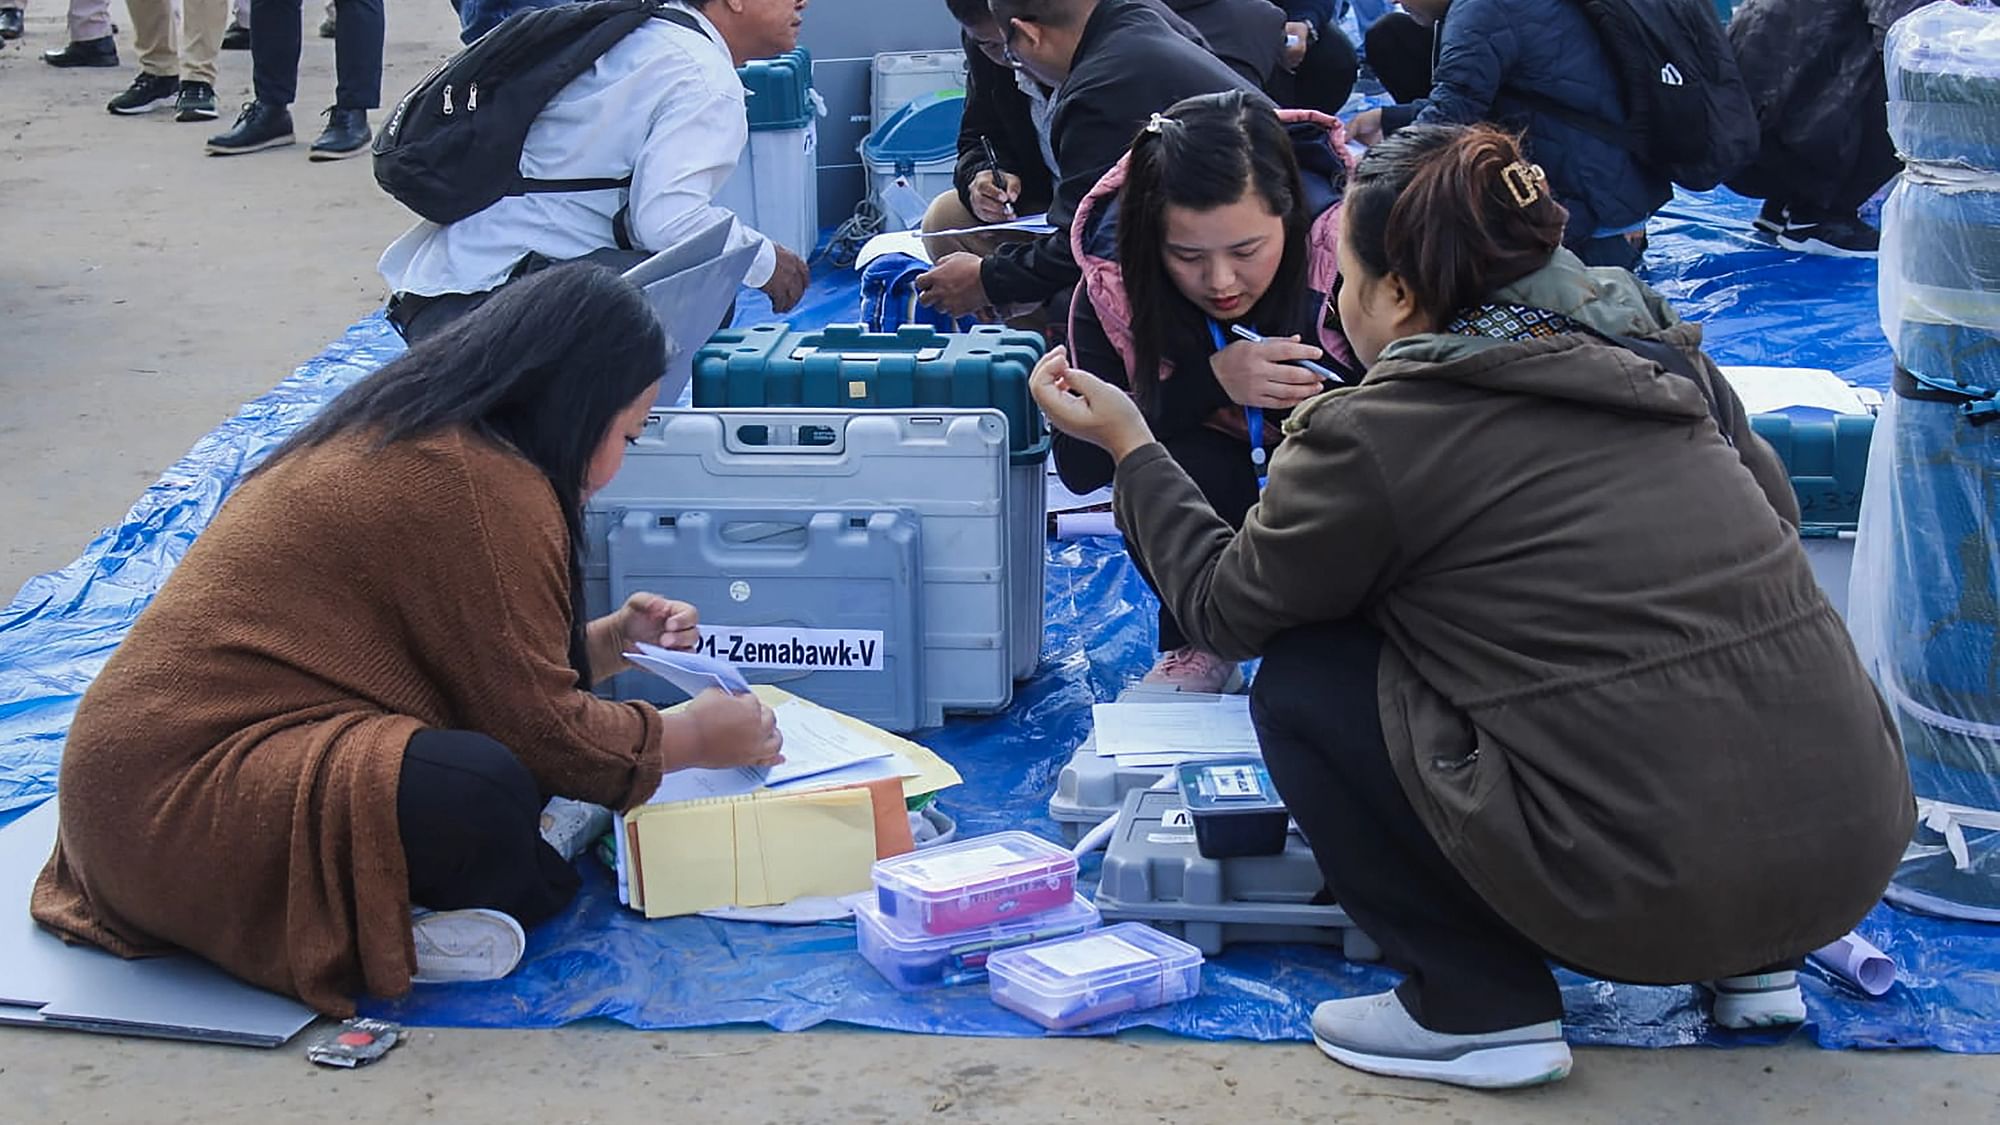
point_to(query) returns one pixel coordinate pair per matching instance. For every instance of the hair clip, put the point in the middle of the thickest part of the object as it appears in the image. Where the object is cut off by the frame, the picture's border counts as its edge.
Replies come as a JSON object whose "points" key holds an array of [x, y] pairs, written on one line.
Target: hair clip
{"points": [[1157, 124], [1526, 182]]}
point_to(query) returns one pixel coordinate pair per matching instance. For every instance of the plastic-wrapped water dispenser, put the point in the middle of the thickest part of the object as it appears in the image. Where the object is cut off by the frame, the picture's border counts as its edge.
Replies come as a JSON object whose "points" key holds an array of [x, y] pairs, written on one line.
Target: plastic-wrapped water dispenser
{"points": [[1925, 599]]}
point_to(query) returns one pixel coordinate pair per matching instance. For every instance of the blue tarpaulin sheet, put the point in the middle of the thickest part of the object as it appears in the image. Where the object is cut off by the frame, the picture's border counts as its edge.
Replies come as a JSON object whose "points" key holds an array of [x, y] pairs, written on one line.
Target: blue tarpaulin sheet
{"points": [[1760, 306]]}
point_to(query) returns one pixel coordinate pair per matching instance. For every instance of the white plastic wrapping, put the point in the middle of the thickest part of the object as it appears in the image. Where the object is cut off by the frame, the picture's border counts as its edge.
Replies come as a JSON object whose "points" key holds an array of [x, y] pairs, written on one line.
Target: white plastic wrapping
{"points": [[1924, 601]]}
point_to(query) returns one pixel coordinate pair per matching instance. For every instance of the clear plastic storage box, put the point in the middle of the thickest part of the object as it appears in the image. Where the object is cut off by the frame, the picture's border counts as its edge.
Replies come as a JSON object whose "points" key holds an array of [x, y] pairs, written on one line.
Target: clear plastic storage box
{"points": [[974, 883], [1079, 980], [918, 961]]}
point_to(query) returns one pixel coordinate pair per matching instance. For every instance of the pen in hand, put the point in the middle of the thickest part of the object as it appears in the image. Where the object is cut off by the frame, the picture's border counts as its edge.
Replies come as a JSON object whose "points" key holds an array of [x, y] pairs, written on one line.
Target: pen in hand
{"points": [[1325, 373], [993, 167]]}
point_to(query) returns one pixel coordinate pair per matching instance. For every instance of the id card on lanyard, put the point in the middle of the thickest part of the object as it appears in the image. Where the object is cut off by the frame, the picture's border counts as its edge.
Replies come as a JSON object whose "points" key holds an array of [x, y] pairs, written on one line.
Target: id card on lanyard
{"points": [[1253, 418]]}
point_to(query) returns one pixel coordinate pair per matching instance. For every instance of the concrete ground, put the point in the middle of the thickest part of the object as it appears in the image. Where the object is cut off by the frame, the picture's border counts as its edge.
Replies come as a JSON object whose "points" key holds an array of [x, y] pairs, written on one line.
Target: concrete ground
{"points": [[146, 290]]}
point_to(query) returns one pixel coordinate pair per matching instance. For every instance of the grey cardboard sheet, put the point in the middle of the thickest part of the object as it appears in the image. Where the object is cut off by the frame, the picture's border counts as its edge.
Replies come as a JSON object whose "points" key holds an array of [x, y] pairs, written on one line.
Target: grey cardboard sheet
{"points": [[691, 287], [47, 983]]}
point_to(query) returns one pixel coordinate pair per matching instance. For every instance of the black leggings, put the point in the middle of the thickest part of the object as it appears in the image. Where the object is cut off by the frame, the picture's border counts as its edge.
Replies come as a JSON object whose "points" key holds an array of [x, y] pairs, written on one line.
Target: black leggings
{"points": [[471, 820]]}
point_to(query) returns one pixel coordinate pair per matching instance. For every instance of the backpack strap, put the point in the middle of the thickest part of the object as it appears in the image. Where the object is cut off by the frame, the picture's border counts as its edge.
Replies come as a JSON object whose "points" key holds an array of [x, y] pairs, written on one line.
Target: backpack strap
{"points": [[1672, 359], [620, 229]]}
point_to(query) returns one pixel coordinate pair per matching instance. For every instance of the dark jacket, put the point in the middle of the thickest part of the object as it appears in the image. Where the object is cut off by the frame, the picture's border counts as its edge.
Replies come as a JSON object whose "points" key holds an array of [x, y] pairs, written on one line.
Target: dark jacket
{"points": [[1189, 399], [1813, 69], [1248, 35], [1611, 688], [1488, 50], [1129, 65], [997, 109]]}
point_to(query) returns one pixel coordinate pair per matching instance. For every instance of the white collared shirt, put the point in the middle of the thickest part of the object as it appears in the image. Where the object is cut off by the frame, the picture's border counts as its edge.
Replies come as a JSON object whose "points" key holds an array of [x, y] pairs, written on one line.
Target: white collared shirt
{"points": [[666, 106]]}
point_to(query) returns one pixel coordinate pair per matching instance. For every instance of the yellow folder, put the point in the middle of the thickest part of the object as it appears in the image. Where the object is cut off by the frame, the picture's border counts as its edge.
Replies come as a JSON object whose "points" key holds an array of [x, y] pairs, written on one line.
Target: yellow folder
{"points": [[757, 850]]}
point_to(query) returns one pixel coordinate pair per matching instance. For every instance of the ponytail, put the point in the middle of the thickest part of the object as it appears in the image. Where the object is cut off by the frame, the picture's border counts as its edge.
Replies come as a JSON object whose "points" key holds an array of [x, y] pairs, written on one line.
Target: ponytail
{"points": [[1456, 212]]}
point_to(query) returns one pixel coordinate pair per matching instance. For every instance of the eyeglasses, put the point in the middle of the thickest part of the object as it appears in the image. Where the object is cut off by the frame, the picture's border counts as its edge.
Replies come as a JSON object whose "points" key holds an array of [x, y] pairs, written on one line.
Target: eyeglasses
{"points": [[1008, 30]]}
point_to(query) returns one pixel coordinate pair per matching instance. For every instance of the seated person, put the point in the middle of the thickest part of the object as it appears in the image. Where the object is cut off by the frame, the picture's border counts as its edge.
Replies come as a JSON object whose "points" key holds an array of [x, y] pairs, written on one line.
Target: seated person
{"points": [[1528, 65], [1318, 66], [1212, 231], [1112, 64], [1546, 674], [354, 694], [1007, 113], [665, 107], [1815, 74]]}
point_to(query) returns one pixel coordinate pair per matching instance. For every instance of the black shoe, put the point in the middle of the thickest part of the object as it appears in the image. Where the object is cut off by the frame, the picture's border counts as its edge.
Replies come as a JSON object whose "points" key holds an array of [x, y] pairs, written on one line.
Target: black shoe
{"points": [[10, 23], [1847, 237], [346, 135], [1771, 217], [147, 92], [236, 37], [326, 28], [84, 52], [195, 103], [260, 126]]}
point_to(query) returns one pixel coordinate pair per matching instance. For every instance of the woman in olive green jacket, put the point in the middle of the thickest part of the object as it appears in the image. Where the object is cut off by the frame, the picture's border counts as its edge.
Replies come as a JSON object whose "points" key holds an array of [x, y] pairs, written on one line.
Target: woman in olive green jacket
{"points": [[1546, 673]]}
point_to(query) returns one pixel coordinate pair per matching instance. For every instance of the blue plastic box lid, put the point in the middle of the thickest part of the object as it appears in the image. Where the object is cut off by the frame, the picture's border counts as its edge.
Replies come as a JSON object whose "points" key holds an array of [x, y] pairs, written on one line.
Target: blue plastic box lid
{"points": [[923, 132], [778, 91]]}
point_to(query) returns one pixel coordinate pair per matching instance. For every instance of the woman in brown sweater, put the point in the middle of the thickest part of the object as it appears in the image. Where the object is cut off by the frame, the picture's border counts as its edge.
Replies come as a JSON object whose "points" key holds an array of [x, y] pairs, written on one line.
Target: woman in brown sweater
{"points": [[355, 692]]}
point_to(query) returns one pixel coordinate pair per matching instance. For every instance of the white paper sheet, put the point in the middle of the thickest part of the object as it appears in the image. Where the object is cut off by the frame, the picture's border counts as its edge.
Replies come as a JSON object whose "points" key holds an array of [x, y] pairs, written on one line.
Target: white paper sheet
{"points": [[691, 672], [894, 242], [816, 742], [1026, 224], [1767, 390], [1858, 962], [1164, 734]]}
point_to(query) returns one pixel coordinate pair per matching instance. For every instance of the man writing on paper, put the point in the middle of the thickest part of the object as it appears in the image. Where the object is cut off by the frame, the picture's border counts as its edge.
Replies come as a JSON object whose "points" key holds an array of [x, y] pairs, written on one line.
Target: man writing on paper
{"points": [[1112, 64], [664, 106]]}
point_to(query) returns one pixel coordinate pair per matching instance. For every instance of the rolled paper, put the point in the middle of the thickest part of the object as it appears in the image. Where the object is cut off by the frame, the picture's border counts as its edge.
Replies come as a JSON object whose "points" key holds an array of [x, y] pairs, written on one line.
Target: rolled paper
{"points": [[1859, 963]]}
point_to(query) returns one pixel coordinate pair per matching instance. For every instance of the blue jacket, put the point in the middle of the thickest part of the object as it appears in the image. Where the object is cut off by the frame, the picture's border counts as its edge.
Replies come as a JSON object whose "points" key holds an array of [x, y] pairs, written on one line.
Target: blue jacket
{"points": [[1489, 48]]}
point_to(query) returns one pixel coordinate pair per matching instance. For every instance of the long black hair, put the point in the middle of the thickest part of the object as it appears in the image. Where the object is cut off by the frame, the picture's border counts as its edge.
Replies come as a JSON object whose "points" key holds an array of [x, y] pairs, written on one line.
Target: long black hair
{"points": [[1204, 153], [543, 368]]}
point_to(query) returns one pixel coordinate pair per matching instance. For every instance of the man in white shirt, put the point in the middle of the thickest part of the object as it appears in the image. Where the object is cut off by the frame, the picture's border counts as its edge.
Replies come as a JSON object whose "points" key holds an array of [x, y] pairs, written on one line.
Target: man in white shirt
{"points": [[665, 104]]}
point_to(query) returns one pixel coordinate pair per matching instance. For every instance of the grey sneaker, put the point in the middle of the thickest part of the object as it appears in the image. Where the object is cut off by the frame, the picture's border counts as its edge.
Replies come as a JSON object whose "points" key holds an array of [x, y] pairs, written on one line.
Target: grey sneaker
{"points": [[196, 102], [572, 826], [1378, 1035], [455, 946], [1763, 1000]]}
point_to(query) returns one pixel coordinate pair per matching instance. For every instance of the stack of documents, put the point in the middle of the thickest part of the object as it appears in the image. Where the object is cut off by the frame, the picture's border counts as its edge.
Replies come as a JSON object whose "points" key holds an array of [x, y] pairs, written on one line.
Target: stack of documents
{"points": [[1143, 734], [813, 825]]}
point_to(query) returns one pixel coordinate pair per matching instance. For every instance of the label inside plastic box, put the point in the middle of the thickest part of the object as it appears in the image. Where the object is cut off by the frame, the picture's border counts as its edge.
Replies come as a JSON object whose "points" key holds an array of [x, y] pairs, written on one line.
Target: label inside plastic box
{"points": [[1091, 955], [956, 869], [1233, 783]]}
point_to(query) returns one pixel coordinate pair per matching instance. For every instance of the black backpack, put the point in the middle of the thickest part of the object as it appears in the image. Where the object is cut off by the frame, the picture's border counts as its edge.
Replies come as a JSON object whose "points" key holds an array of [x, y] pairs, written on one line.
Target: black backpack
{"points": [[1687, 112], [452, 148]]}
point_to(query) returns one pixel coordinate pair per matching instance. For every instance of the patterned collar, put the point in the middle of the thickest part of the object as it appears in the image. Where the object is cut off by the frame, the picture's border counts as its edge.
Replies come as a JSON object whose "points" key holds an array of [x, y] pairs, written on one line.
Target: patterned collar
{"points": [[1512, 322]]}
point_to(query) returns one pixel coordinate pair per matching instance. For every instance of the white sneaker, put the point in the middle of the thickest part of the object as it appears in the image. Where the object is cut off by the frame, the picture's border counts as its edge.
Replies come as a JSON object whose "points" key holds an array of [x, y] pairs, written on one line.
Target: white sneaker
{"points": [[1378, 1035], [455, 946], [1763, 1000], [570, 827], [1190, 669]]}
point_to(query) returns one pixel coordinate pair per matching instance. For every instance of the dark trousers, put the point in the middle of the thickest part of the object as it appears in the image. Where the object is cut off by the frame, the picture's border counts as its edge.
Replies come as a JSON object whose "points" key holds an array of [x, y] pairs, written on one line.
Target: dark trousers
{"points": [[1325, 76], [1220, 466], [471, 820], [1401, 52], [1316, 715], [276, 37], [1819, 186], [1611, 250]]}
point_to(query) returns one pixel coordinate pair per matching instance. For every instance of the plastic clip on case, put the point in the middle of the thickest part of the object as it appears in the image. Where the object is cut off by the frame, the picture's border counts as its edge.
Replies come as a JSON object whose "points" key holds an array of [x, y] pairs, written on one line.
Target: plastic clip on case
{"points": [[845, 367], [1234, 806], [914, 962], [1154, 872], [974, 883], [1080, 980]]}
